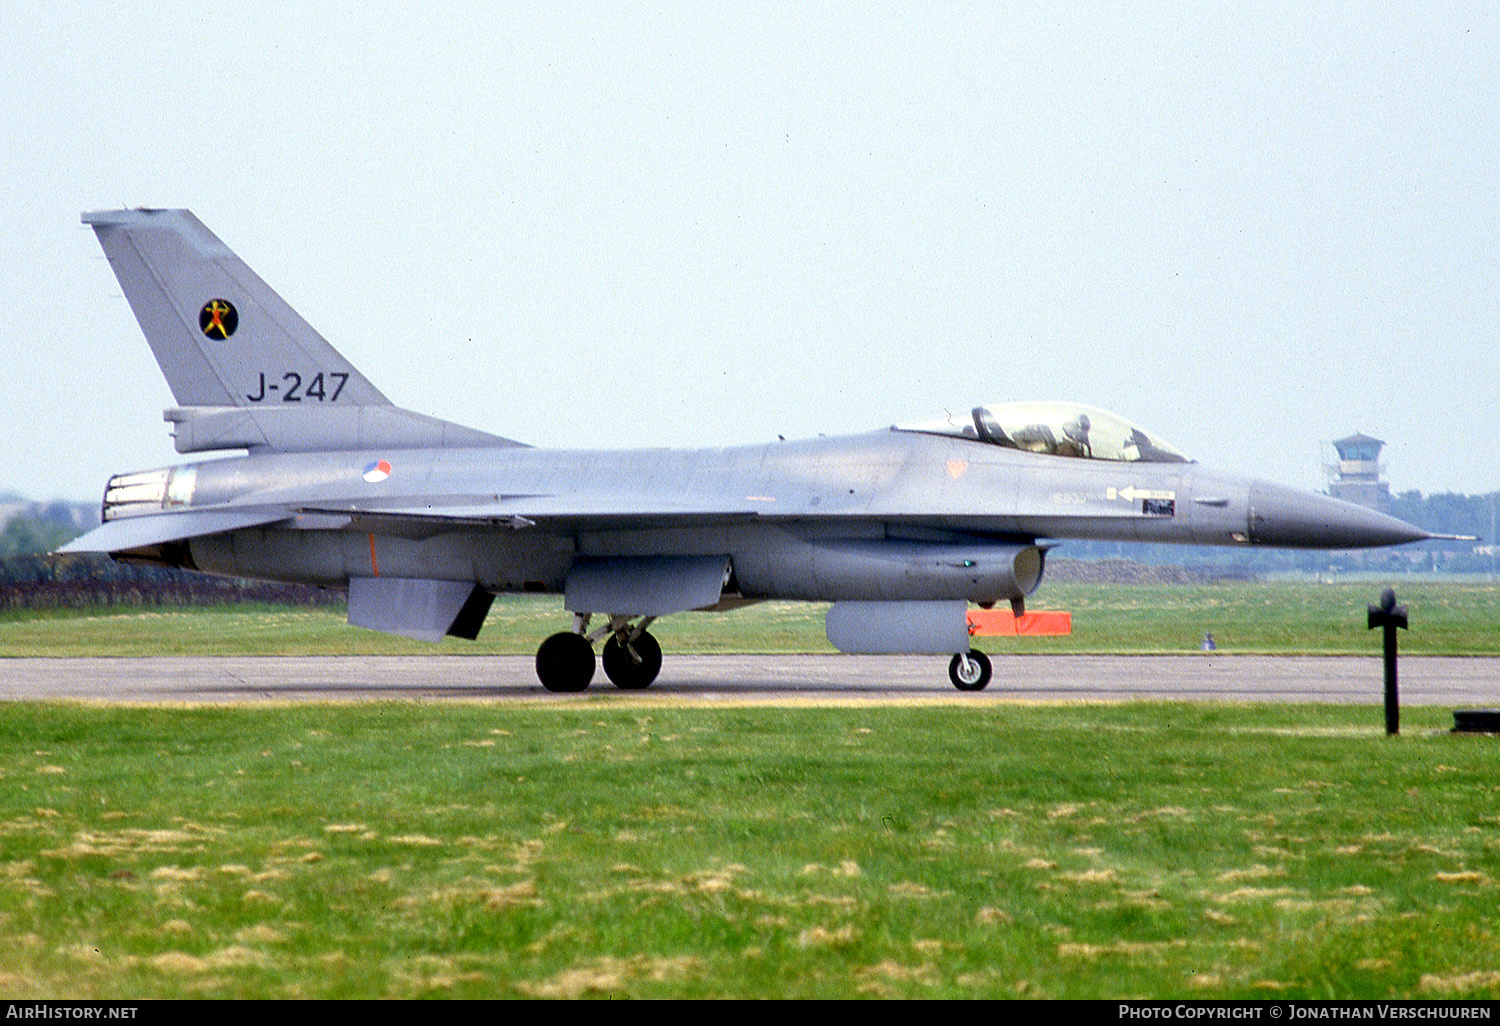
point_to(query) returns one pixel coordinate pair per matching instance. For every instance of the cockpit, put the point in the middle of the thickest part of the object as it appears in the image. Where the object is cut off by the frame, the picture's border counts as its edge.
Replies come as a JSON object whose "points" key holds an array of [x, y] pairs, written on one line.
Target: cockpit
{"points": [[1057, 429]]}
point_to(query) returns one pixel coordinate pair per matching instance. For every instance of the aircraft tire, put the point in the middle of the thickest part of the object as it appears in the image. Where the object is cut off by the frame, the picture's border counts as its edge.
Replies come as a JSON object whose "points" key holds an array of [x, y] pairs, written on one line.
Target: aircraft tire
{"points": [[625, 672], [973, 677], [565, 662]]}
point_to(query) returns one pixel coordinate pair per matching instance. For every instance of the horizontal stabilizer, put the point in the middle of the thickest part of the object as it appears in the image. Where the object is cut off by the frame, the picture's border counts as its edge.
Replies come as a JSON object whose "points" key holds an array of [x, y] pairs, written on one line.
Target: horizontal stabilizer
{"points": [[418, 608], [138, 532]]}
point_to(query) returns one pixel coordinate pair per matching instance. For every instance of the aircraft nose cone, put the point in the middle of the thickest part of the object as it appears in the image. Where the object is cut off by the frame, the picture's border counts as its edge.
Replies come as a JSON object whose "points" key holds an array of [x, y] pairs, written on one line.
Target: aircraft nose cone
{"points": [[1297, 519]]}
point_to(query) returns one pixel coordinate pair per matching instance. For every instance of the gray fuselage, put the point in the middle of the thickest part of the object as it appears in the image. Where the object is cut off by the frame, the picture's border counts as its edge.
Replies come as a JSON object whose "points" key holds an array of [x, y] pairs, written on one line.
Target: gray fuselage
{"points": [[789, 515]]}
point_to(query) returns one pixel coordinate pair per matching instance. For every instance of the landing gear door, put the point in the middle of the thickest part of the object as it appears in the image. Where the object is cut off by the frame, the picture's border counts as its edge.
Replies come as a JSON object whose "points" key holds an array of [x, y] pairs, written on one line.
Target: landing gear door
{"points": [[644, 585]]}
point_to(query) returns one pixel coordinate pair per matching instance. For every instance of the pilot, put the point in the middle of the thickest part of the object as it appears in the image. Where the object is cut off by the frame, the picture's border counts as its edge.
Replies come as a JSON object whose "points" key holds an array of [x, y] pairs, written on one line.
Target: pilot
{"points": [[1076, 437], [1036, 438]]}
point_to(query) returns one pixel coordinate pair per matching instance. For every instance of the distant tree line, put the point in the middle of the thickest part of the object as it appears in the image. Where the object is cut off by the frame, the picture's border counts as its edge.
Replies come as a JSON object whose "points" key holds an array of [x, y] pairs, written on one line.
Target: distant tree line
{"points": [[31, 533], [32, 579], [85, 582], [1450, 513]]}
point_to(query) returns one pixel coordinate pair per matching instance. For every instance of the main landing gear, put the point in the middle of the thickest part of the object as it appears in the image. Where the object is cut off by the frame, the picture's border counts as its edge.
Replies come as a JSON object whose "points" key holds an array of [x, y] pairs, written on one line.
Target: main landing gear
{"points": [[632, 657]]}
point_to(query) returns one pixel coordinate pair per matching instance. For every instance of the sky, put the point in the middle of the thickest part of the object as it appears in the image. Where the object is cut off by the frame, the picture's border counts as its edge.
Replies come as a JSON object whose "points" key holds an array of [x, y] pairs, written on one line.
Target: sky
{"points": [[1250, 228]]}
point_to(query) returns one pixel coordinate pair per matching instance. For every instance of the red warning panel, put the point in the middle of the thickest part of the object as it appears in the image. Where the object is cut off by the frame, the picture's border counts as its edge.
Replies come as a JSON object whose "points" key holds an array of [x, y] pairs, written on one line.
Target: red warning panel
{"points": [[996, 622]]}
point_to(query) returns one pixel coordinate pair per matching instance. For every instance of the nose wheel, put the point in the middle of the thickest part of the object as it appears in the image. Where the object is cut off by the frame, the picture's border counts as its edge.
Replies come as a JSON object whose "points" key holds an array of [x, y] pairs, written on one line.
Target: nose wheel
{"points": [[970, 671]]}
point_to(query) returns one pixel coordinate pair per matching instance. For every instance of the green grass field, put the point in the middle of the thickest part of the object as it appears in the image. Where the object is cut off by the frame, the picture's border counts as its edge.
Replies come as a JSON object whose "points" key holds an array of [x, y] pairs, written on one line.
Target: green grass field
{"points": [[650, 850], [1446, 619], [474, 850]]}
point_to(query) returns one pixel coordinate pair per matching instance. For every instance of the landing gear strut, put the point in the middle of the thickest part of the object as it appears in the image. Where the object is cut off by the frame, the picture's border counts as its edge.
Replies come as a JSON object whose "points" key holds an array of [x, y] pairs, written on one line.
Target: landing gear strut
{"points": [[632, 658], [970, 671]]}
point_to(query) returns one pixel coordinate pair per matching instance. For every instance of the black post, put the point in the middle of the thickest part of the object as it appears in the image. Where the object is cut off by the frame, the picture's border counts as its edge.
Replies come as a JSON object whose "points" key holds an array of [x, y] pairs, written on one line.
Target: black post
{"points": [[1388, 616]]}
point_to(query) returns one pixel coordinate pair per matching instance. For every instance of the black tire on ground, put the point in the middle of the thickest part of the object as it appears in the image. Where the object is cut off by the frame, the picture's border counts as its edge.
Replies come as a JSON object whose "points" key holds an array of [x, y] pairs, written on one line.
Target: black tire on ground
{"points": [[565, 662], [974, 675], [624, 670]]}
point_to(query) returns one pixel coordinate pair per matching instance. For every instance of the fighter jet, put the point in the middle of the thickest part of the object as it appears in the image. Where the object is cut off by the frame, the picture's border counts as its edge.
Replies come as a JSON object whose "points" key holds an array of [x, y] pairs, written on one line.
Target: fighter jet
{"points": [[423, 522]]}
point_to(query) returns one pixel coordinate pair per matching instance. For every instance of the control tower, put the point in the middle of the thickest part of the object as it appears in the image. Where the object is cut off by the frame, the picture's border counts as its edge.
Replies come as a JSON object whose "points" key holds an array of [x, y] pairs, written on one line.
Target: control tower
{"points": [[1356, 476]]}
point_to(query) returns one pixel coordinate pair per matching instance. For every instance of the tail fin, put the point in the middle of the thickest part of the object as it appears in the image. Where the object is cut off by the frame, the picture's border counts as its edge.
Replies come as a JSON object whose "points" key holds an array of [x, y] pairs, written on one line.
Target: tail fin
{"points": [[220, 334], [247, 370]]}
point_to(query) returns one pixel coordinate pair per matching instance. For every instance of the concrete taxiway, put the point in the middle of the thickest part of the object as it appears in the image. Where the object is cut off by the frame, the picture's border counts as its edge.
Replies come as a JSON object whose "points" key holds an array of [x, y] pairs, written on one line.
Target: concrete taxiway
{"points": [[1461, 682]]}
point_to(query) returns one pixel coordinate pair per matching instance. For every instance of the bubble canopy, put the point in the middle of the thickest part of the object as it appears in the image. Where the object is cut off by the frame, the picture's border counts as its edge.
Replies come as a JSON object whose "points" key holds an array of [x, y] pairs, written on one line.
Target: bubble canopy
{"points": [[1057, 429]]}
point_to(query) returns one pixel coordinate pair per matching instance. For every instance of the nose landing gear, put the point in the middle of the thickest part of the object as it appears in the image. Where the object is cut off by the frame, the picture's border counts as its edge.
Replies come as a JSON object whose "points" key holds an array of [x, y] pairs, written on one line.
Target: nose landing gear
{"points": [[970, 671]]}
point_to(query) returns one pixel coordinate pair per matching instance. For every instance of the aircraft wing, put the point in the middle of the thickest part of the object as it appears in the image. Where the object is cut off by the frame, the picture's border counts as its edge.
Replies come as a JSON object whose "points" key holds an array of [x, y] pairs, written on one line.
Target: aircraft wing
{"points": [[159, 528], [549, 512], [630, 511], [421, 519]]}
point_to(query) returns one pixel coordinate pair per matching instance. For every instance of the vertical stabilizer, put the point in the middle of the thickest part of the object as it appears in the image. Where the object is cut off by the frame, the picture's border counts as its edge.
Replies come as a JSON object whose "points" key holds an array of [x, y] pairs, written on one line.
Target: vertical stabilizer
{"points": [[220, 334]]}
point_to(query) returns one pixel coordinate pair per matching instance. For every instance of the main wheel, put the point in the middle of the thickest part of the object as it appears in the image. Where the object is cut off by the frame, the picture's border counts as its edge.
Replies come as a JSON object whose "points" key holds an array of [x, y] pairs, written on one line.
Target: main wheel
{"points": [[565, 662], [970, 671], [634, 665]]}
